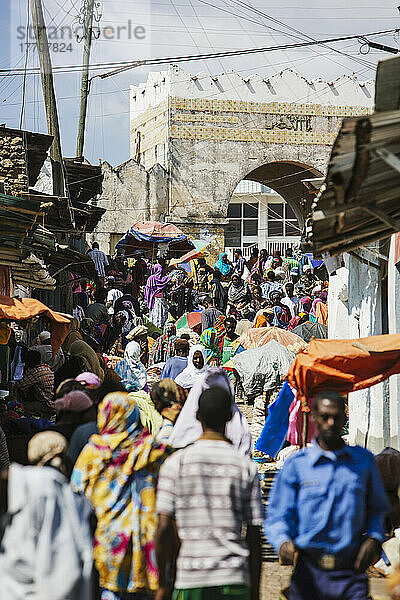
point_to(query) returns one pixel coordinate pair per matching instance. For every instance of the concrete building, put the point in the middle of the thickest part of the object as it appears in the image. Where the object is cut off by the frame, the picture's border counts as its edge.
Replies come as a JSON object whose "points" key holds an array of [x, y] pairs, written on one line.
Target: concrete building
{"points": [[209, 133]]}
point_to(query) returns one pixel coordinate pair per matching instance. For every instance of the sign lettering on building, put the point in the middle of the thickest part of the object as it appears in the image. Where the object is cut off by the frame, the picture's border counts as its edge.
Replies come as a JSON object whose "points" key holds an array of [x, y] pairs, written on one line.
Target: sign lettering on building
{"points": [[289, 122]]}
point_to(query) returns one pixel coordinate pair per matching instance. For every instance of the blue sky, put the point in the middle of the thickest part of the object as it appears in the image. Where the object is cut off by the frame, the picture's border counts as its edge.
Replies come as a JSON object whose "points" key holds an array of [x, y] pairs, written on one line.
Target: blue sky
{"points": [[172, 28]]}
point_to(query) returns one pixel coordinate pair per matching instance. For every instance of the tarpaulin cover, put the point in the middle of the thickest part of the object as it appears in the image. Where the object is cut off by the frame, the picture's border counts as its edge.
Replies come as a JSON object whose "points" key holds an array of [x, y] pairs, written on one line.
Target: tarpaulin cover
{"points": [[344, 365], [259, 336], [308, 330], [273, 435], [146, 234], [263, 369], [20, 309]]}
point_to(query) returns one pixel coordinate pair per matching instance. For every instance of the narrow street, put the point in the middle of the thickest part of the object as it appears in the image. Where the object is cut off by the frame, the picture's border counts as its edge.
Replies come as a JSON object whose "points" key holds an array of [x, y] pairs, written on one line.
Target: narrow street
{"points": [[199, 300]]}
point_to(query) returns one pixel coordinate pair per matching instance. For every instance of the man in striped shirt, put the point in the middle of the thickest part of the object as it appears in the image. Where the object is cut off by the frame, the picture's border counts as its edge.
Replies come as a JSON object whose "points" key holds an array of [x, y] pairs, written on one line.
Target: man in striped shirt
{"points": [[99, 258], [206, 493]]}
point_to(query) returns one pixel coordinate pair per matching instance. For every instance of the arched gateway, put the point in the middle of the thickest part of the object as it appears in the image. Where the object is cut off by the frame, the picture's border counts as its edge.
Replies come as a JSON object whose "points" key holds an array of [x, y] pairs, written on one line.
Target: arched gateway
{"points": [[209, 133]]}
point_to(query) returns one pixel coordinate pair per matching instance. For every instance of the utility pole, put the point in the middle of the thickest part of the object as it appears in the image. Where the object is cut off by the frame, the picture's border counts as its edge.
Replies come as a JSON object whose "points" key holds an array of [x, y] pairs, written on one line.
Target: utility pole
{"points": [[88, 33], [46, 72]]}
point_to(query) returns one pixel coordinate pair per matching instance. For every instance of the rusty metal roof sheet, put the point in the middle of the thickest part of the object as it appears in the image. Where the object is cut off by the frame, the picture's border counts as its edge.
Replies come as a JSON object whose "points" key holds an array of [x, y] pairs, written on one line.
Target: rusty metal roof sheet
{"points": [[359, 201]]}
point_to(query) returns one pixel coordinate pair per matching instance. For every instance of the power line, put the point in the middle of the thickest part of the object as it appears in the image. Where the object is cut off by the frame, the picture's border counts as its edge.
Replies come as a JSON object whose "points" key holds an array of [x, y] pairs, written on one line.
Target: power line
{"points": [[125, 65], [293, 29], [236, 52]]}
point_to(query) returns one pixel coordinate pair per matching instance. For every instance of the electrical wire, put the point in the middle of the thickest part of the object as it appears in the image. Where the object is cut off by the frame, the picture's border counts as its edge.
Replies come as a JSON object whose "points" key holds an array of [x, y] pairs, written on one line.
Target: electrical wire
{"points": [[124, 65], [296, 31]]}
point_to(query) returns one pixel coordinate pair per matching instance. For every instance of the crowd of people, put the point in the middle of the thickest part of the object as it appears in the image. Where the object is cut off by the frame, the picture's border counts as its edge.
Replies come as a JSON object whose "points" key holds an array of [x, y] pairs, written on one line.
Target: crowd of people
{"points": [[108, 507]]}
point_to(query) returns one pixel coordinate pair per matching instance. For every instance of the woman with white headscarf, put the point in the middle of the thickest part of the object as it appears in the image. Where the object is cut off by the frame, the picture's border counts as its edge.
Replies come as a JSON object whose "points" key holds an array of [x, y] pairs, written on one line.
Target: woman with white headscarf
{"points": [[131, 370], [187, 428], [196, 367]]}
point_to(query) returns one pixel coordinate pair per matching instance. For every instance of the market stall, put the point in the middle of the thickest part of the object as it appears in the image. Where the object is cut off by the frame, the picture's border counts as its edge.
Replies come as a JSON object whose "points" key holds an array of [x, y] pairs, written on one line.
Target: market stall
{"points": [[153, 238], [23, 309]]}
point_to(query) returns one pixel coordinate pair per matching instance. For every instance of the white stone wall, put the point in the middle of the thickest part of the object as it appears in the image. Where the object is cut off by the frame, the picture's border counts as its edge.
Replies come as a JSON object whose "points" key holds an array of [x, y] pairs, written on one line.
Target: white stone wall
{"points": [[373, 420], [394, 327]]}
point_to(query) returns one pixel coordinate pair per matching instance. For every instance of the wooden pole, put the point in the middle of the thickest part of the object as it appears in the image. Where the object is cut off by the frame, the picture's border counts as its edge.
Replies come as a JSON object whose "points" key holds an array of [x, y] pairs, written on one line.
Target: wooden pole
{"points": [[85, 79], [305, 429], [46, 72]]}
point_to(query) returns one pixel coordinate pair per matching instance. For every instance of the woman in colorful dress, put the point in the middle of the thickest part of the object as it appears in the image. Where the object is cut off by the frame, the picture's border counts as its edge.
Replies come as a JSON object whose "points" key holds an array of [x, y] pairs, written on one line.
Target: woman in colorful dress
{"points": [[155, 296], [117, 471], [224, 266], [209, 340]]}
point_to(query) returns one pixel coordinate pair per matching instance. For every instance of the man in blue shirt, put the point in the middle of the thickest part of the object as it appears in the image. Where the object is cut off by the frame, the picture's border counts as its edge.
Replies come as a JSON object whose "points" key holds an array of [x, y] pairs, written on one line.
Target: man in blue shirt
{"points": [[177, 363], [326, 511]]}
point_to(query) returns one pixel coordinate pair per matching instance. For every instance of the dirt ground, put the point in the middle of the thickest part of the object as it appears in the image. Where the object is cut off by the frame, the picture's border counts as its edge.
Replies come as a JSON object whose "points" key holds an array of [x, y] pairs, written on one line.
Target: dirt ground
{"points": [[275, 577]]}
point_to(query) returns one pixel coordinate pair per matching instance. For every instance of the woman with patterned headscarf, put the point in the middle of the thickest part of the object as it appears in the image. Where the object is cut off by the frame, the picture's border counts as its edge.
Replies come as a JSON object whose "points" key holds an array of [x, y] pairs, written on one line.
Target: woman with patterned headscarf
{"points": [[282, 312], [301, 318], [164, 347], [264, 317], [131, 370], [117, 471], [209, 340], [304, 304], [320, 302], [154, 294]]}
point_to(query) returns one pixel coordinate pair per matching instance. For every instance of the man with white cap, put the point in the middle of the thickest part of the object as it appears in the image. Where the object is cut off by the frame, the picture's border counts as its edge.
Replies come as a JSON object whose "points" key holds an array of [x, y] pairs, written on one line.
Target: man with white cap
{"points": [[45, 349], [139, 334], [112, 294]]}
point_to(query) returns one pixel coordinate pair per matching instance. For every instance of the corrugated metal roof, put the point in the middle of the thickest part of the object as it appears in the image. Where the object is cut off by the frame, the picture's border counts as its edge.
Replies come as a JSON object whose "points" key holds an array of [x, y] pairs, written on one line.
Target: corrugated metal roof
{"points": [[359, 201]]}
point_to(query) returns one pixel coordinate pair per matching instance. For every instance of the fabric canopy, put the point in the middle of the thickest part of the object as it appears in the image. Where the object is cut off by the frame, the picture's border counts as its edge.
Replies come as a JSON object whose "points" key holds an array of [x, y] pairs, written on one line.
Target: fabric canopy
{"points": [[344, 365], [20, 309], [146, 235], [199, 250]]}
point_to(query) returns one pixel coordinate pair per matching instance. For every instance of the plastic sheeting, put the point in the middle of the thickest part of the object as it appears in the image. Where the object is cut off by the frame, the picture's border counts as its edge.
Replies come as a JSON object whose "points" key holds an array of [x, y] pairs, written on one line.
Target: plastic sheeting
{"points": [[260, 336], [263, 369], [276, 425]]}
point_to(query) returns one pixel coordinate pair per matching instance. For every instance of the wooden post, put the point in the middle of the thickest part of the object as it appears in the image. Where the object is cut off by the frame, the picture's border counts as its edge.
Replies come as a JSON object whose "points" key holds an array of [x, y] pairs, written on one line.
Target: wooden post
{"points": [[46, 72], [85, 79], [305, 429]]}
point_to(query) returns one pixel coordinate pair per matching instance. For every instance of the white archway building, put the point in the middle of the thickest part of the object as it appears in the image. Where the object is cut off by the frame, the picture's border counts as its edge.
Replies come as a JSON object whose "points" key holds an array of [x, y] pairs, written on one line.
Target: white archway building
{"points": [[209, 133]]}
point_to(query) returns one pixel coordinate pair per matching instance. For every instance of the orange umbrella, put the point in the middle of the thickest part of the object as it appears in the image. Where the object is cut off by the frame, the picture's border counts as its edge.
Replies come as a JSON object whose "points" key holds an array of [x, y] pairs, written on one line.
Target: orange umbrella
{"points": [[259, 336], [344, 365], [20, 309]]}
